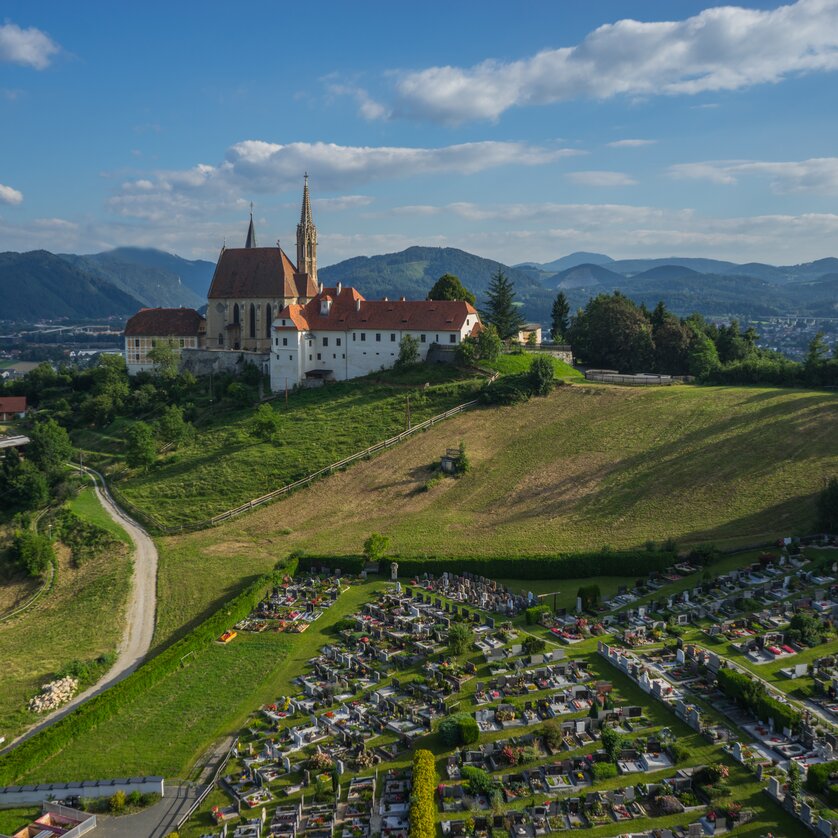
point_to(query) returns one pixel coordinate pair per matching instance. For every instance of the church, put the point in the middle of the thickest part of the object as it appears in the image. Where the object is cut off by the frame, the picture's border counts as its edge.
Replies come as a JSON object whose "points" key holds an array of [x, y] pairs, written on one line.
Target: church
{"points": [[265, 310], [251, 285]]}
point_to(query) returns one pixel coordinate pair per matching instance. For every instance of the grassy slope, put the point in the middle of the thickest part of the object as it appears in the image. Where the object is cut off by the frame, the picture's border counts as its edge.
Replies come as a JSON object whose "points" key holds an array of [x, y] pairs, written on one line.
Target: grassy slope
{"points": [[173, 723], [79, 620], [225, 466], [587, 466]]}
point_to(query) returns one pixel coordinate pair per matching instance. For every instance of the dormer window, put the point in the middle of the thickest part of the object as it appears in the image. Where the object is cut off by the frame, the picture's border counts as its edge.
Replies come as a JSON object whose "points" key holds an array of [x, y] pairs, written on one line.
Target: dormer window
{"points": [[325, 306]]}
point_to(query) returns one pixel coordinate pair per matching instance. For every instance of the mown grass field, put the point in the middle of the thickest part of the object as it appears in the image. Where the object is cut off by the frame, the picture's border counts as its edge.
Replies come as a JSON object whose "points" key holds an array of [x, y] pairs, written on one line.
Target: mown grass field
{"points": [[80, 619], [210, 696], [225, 465], [587, 466], [517, 362]]}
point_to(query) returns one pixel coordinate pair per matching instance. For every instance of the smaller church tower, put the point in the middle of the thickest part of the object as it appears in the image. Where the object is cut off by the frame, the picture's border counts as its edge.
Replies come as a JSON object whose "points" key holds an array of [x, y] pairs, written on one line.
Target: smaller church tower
{"points": [[251, 232], [307, 238]]}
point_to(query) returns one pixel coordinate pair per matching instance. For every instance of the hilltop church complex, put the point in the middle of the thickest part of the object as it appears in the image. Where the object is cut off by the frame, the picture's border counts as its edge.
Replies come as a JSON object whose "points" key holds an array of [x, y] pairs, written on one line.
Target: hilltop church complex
{"points": [[264, 309]]}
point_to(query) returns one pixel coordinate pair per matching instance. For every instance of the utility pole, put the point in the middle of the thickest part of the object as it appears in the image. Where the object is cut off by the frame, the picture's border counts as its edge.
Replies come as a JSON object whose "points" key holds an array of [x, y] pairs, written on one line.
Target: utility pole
{"points": [[407, 409]]}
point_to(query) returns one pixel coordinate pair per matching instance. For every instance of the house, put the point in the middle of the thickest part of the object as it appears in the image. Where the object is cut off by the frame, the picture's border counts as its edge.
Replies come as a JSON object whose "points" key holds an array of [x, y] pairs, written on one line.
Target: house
{"points": [[530, 333], [339, 335], [12, 407], [179, 328]]}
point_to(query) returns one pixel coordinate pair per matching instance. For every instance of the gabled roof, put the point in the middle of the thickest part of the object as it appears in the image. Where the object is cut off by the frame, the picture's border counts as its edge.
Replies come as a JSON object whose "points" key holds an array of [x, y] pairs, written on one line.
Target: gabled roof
{"points": [[165, 322], [12, 404], [258, 272], [349, 310]]}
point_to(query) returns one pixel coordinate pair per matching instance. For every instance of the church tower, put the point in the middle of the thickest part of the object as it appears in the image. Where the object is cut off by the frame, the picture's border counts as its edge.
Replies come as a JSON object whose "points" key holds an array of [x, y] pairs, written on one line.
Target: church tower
{"points": [[307, 238]]}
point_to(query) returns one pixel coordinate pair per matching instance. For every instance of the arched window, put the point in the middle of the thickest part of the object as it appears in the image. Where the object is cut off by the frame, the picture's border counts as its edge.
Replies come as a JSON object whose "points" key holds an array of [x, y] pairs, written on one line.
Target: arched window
{"points": [[268, 320], [252, 320], [221, 338], [236, 319]]}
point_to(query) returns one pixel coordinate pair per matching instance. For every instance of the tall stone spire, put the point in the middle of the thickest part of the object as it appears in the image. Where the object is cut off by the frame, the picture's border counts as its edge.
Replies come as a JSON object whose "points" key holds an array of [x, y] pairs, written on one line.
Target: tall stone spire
{"points": [[251, 233], [307, 237]]}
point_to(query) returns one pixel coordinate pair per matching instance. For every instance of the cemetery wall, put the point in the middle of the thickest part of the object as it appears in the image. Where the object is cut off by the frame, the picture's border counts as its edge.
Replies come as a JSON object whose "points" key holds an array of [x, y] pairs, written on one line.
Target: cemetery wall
{"points": [[23, 795]]}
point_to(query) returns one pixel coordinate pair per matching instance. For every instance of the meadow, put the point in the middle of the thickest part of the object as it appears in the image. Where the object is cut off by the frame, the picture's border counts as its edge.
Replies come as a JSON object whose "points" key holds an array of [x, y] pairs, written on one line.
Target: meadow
{"points": [[81, 619], [225, 465], [587, 466]]}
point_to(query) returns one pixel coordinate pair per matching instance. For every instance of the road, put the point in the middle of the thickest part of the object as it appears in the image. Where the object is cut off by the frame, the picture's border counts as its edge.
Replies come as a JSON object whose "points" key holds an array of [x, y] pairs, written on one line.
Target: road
{"points": [[139, 617]]}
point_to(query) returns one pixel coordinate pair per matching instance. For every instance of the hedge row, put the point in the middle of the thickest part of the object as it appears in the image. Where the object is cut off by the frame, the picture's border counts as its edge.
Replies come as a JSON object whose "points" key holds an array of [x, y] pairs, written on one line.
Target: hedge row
{"points": [[753, 695], [819, 779], [347, 564], [36, 750], [635, 563], [422, 809]]}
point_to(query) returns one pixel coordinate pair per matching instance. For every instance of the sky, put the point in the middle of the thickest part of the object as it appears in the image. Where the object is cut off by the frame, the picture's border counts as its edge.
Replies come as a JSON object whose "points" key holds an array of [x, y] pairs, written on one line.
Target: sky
{"points": [[520, 133]]}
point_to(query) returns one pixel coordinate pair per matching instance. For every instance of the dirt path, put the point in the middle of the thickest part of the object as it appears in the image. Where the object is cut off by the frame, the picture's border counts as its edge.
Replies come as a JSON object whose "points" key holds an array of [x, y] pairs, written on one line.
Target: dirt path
{"points": [[139, 616]]}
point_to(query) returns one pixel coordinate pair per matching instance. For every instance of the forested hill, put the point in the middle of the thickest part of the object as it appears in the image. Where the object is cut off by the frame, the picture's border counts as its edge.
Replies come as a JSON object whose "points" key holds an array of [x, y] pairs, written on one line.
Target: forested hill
{"points": [[40, 285], [412, 272]]}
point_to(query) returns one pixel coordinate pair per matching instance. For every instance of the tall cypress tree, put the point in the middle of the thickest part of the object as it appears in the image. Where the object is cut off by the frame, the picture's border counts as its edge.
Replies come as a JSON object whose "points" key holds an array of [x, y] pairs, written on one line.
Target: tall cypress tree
{"points": [[559, 324], [501, 310]]}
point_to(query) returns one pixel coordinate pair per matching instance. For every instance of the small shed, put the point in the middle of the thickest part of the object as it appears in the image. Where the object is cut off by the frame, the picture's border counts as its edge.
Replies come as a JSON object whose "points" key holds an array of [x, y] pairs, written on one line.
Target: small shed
{"points": [[450, 461]]}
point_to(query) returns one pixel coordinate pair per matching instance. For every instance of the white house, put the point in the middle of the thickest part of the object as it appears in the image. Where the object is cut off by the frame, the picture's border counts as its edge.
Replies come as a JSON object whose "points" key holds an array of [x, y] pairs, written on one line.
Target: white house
{"points": [[340, 335], [180, 328]]}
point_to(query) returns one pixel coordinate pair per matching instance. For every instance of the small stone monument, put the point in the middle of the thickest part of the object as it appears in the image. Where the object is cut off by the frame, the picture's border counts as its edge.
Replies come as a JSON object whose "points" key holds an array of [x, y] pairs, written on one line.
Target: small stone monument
{"points": [[394, 571]]}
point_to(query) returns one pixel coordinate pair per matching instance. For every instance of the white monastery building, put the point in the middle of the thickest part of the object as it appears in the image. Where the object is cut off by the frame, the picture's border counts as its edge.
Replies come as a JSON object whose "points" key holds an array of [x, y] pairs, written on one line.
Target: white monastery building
{"points": [[340, 335]]}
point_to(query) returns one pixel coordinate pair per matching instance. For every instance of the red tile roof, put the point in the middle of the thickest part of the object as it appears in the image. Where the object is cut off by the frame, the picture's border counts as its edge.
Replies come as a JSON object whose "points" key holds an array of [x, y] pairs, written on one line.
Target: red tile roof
{"points": [[349, 310], [258, 273], [12, 404], [165, 322]]}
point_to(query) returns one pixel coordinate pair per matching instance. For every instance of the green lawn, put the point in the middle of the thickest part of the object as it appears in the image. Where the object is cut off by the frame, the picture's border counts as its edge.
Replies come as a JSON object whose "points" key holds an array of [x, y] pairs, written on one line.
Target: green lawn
{"points": [[79, 620], [210, 696], [11, 820], [86, 506], [517, 362], [225, 465]]}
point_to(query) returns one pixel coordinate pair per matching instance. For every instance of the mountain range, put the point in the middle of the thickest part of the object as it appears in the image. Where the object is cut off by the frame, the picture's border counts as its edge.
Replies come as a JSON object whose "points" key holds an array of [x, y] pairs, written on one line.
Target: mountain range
{"points": [[41, 285]]}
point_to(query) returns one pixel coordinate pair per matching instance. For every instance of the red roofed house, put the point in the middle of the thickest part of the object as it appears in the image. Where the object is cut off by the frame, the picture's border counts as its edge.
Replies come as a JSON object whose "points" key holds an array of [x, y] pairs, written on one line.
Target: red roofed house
{"points": [[180, 328], [12, 407], [251, 285], [340, 335]]}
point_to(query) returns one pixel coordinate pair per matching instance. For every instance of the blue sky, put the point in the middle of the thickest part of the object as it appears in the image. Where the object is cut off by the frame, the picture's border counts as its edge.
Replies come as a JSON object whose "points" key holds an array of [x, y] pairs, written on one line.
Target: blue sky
{"points": [[635, 129]]}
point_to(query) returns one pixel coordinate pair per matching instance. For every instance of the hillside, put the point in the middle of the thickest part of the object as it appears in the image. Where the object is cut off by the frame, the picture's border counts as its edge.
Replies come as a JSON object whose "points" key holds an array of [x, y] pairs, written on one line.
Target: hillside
{"points": [[584, 467], [39, 285], [412, 272]]}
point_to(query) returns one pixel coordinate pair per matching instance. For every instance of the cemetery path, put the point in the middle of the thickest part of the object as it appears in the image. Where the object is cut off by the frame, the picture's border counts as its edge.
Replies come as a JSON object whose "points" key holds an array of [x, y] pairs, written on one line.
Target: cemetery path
{"points": [[139, 614]]}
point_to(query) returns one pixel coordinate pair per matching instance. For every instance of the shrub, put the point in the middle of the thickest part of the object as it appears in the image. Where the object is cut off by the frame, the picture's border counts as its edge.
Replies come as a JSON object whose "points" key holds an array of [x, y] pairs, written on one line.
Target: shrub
{"points": [[459, 729], [604, 770], [541, 375], [533, 645], [679, 752], [533, 615], [422, 814], [32, 551], [478, 780], [116, 802], [459, 636], [375, 546]]}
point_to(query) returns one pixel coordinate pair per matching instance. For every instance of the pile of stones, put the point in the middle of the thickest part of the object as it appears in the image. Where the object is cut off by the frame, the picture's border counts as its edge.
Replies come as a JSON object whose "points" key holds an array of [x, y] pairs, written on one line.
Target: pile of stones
{"points": [[54, 694]]}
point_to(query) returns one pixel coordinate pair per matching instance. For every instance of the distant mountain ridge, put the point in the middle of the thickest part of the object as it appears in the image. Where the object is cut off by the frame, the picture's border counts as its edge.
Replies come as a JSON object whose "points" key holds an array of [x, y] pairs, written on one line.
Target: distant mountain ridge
{"points": [[40, 285]]}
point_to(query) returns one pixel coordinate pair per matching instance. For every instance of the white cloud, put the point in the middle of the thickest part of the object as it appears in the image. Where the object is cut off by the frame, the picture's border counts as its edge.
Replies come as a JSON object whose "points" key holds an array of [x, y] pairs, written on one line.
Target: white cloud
{"points": [[343, 202], [818, 174], [630, 143], [259, 167], [601, 178], [722, 48], [368, 107], [10, 196], [29, 47]]}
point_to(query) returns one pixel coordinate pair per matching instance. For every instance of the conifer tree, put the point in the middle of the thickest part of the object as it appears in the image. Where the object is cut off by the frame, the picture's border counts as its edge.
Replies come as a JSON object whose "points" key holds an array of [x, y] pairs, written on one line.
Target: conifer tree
{"points": [[559, 322], [501, 311]]}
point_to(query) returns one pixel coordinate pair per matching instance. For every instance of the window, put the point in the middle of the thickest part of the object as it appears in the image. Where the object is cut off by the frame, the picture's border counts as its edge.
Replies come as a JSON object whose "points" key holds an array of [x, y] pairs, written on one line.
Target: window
{"points": [[236, 317], [182, 343], [421, 338], [392, 337], [354, 336], [337, 341], [325, 341], [268, 320], [136, 341], [221, 339], [333, 355], [252, 320], [309, 357], [363, 336], [310, 344], [318, 357], [378, 337], [290, 357], [452, 338], [276, 341], [343, 355], [285, 341], [437, 338]]}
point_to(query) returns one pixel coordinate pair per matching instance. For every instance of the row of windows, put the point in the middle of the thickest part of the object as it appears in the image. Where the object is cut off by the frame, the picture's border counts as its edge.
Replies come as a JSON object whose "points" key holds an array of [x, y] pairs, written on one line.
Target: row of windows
{"points": [[154, 342], [452, 338], [252, 320]]}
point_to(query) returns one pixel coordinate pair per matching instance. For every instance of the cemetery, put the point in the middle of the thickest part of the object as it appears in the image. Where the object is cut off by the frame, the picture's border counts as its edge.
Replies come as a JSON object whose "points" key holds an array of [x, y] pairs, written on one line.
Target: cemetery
{"points": [[531, 735]]}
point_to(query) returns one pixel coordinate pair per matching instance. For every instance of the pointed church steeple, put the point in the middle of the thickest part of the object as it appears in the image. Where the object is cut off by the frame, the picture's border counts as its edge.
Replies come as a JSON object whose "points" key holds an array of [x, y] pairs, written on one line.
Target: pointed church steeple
{"points": [[307, 237], [251, 232]]}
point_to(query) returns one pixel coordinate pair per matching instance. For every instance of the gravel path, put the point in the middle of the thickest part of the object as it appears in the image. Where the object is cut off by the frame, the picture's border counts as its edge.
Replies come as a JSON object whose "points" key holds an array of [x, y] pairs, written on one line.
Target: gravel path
{"points": [[139, 617]]}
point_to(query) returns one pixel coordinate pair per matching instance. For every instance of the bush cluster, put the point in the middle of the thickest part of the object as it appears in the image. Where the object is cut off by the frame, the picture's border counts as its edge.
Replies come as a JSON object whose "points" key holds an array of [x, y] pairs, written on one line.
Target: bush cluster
{"points": [[534, 614], [85, 539], [422, 813], [560, 566], [459, 729], [753, 695], [32, 551], [821, 779], [35, 751]]}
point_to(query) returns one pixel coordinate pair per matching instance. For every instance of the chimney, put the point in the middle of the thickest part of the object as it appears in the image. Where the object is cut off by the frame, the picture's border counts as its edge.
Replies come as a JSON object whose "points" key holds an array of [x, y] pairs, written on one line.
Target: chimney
{"points": [[404, 298], [319, 287], [357, 305], [386, 300], [340, 286]]}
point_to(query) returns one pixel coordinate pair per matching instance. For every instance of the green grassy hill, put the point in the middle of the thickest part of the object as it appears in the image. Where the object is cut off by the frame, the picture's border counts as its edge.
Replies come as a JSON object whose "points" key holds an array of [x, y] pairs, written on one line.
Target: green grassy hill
{"points": [[584, 467]]}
